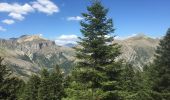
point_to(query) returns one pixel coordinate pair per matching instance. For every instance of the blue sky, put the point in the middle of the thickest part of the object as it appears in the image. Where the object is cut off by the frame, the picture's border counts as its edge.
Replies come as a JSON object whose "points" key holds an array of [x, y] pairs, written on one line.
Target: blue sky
{"points": [[60, 18]]}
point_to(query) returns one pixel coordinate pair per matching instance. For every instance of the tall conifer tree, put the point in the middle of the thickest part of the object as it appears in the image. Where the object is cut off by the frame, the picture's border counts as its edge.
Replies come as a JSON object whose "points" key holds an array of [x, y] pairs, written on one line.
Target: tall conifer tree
{"points": [[96, 74], [43, 89], [162, 67], [30, 91], [52, 85]]}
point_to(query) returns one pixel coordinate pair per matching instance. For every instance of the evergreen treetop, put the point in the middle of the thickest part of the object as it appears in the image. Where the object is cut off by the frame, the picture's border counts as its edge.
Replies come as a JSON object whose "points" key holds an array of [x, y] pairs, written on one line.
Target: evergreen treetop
{"points": [[97, 43], [96, 75], [162, 64]]}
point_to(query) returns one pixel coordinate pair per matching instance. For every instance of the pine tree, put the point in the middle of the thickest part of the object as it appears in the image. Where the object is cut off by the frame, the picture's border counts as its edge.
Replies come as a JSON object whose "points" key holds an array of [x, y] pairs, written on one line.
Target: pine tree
{"points": [[162, 67], [43, 89], [52, 85], [9, 86], [162, 63], [56, 87], [128, 78], [96, 74], [30, 91]]}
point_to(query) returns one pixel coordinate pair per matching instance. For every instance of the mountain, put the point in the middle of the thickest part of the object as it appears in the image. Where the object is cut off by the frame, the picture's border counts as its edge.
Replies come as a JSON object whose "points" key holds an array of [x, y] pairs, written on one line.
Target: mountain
{"points": [[27, 54], [70, 45], [138, 50]]}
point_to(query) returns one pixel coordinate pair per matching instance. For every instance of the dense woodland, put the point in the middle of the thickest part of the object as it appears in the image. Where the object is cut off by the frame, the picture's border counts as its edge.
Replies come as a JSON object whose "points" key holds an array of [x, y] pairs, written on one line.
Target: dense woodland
{"points": [[96, 75]]}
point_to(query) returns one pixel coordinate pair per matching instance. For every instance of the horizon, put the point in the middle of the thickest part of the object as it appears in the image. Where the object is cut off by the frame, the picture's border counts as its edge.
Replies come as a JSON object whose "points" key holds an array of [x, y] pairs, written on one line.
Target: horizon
{"points": [[55, 20], [64, 41]]}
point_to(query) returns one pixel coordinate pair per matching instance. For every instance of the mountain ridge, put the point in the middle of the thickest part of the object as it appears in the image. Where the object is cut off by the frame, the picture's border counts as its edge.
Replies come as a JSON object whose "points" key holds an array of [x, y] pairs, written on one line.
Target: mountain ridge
{"points": [[32, 53], [26, 55]]}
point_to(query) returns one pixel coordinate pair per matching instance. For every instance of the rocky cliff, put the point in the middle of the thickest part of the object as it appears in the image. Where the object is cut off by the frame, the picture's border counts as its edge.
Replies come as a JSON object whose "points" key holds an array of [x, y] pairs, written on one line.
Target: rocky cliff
{"points": [[27, 55], [138, 50]]}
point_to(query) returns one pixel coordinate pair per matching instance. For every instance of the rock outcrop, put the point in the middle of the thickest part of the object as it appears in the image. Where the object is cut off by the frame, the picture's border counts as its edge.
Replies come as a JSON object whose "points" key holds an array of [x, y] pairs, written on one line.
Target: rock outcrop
{"points": [[26, 55]]}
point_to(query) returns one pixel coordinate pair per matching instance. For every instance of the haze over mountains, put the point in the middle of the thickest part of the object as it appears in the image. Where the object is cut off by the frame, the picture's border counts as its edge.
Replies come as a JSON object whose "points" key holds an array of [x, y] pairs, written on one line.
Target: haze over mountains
{"points": [[27, 55]]}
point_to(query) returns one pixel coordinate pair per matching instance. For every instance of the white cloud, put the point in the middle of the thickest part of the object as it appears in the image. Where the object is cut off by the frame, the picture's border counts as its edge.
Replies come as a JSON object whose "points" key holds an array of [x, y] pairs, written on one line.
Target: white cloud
{"points": [[65, 39], [40, 35], [8, 21], [16, 16], [2, 29], [45, 6], [126, 37], [75, 18], [16, 10]]}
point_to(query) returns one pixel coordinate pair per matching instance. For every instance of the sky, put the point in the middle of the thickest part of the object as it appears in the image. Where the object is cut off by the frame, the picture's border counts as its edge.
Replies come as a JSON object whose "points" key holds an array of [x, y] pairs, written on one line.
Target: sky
{"points": [[59, 19]]}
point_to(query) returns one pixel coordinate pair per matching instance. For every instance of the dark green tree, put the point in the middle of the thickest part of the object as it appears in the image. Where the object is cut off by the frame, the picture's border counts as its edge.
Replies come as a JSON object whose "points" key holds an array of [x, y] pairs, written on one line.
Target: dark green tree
{"points": [[30, 91], [128, 81], [52, 85], [161, 82], [162, 63], [12, 88], [4, 71], [56, 87], [43, 89], [96, 74], [9, 86]]}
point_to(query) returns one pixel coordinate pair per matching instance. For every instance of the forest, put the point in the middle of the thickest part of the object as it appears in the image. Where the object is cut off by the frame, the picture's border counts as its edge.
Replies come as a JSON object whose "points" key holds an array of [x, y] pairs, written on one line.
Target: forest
{"points": [[97, 75]]}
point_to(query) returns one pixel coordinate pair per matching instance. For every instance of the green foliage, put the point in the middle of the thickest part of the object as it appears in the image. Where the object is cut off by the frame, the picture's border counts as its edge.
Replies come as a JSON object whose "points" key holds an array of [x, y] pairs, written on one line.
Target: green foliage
{"points": [[4, 71], [157, 75], [47, 86], [51, 86], [9, 86], [30, 91], [162, 65], [56, 87], [96, 75], [55, 59], [43, 88], [128, 81]]}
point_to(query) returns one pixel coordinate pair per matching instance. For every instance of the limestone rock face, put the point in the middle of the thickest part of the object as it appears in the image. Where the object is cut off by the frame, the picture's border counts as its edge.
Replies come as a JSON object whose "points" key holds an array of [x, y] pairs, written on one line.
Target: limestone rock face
{"points": [[138, 50], [26, 55]]}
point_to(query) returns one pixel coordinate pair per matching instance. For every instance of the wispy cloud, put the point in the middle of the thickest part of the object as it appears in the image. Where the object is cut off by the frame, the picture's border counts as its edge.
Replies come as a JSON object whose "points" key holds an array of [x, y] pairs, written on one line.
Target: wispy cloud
{"points": [[2, 29], [75, 18], [15, 10], [45, 6], [8, 21], [65, 39], [126, 37], [16, 16], [18, 11]]}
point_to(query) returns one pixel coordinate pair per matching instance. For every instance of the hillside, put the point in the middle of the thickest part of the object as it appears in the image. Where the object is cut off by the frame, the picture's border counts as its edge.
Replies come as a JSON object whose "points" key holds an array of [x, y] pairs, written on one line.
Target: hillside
{"points": [[138, 50], [28, 54]]}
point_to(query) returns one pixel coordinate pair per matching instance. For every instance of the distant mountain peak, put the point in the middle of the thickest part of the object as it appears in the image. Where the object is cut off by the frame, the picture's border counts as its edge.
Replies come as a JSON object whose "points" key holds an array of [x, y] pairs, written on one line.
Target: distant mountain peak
{"points": [[70, 45], [28, 38], [140, 36]]}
